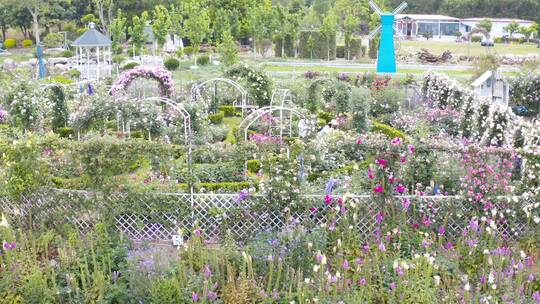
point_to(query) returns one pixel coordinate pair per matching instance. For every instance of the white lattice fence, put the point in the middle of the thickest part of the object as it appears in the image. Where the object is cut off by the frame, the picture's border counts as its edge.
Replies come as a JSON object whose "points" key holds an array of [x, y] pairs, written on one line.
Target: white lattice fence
{"points": [[159, 216]]}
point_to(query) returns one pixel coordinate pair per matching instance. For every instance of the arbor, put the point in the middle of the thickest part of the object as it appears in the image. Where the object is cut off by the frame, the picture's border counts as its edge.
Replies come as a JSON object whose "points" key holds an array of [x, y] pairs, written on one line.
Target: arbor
{"points": [[161, 24], [485, 24], [118, 30], [136, 32], [512, 28], [329, 30]]}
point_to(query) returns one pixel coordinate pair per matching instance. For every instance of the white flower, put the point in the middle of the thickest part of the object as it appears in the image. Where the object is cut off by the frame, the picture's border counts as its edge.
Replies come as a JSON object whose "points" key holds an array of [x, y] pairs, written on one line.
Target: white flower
{"points": [[437, 280], [467, 287]]}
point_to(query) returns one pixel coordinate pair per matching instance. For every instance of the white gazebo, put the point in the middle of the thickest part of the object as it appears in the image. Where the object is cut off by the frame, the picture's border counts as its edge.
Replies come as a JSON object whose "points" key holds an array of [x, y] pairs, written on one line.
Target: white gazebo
{"points": [[93, 54]]}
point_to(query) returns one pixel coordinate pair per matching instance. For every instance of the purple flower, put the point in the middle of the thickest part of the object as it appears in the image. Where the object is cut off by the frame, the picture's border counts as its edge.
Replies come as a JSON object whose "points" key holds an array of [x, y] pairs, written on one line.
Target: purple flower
{"points": [[194, 297], [379, 218], [442, 231], [362, 281], [393, 286], [473, 224], [9, 246], [313, 210], [207, 272], [405, 203], [346, 264], [212, 296], [242, 196], [400, 188], [411, 149], [536, 297], [382, 247], [399, 271], [198, 232]]}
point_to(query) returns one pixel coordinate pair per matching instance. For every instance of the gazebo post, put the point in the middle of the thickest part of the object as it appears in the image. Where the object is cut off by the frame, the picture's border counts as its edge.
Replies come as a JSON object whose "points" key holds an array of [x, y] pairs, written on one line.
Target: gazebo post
{"points": [[98, 66]]}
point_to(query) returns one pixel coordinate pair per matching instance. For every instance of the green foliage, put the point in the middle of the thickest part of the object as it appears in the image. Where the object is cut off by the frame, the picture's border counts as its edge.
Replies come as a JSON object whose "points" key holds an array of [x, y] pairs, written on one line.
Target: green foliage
{"points": [[26, 43], [10, 43], [65, 132], [129, 66], [217, 118], [137, 32], [229, 111], [361, 102], [53, 40], [203, 60], [189, 51], [59, 107], [228, 49], [259, 84], [322, 47], [485, 63], [161, 24], [74, 74], [67, 54], [485, 24], [386, 130], [197, 26], [62, 79], [171, 64], [118, 59], [254, 165], [117, 28], [166, 291]]}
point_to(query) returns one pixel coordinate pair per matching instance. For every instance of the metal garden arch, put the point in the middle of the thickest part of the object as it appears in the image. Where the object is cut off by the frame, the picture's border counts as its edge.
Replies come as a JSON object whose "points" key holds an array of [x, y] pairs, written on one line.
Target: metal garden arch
{"points": [[196, 92]]}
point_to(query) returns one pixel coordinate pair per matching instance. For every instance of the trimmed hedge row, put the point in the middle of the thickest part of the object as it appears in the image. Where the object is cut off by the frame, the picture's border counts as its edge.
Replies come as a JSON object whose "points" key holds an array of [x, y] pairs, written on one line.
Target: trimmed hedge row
{"points": [[288, 48], [319, 45]]}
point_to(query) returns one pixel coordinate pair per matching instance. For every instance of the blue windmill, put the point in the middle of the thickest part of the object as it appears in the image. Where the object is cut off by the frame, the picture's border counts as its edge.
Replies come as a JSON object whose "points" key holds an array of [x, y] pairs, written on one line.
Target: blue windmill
{"points": [[42, 72], [386, 61]]}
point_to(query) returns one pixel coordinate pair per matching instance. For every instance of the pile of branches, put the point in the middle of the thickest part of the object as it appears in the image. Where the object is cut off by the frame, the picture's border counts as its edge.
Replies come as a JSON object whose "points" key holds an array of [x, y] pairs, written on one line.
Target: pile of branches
{"points": [[425, 56]]}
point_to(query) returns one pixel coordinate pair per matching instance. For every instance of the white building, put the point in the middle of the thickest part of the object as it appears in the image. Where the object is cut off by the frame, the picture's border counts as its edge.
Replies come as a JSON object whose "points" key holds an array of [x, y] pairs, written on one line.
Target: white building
{"points": [[417, 26], [498, 26]]}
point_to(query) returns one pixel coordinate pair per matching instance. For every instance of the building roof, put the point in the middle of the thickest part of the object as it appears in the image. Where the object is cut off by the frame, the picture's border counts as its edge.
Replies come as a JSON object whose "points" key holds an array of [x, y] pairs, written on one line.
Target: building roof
{"points": [[502, 20], [426, 17], [92, 38]]}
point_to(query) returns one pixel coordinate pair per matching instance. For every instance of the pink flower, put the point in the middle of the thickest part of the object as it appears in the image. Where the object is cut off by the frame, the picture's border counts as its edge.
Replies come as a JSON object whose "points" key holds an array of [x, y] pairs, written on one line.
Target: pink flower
{"points": [[346, 265], [382, 162], [442, 231], [378, 189], [403, 159], [313, 210], [340, 201], [362, 281], [405, 203], [400, 188], [382, 247], [396, 141], [426, 221], [415, 226], [328, 199], [370, 173], [411, 149], [359, 141]]}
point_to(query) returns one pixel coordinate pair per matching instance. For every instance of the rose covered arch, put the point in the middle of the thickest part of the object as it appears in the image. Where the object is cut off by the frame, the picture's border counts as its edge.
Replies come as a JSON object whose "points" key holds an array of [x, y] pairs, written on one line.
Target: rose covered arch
{"points": [[161, 75]]}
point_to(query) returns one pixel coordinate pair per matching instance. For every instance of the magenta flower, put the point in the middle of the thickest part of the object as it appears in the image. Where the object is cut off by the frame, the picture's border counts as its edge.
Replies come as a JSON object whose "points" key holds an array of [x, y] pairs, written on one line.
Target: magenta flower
{"points": [[379, 218], [400, 188], [426, 221], [393, 286], [405, 203], [411, 149], [328, 199], [382, 162], [359, 141], [370, 173], [313, 210], [396, 141], [442, 231], [340, 201], [346, 265], [378, 189], [403, 159], [197, 232], [9, 246]]}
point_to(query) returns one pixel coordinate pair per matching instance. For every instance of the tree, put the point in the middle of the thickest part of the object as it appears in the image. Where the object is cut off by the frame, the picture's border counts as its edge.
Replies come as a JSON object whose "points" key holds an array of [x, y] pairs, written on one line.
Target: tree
{"points": [[227, 49], [350, 24], [6, 19], [117, 29], [526, 31], [197, 26], [512, 28], [36, 8], [161, 24], [136, 32], [329, 30], [262, 24], [485, 24], [101, 6], [177, 20]]}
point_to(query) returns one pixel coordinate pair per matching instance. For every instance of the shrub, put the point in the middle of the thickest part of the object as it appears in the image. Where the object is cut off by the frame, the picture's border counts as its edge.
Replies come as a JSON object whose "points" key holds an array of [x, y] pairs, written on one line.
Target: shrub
{"points": [[386, 130], [203, 60], [253, 165], [188, 50], [129, 66], [67, 53], [287, 47], [180, 53], [476, 38], [228, 186], [27, 43], [62, 79], [340, 51], [217, 118], [65, 132], [326, 116], [10, 43], [171, 64], [53, 40], [361, 101], [73, 73], [118, 59], [228, 111], [318, 46]]}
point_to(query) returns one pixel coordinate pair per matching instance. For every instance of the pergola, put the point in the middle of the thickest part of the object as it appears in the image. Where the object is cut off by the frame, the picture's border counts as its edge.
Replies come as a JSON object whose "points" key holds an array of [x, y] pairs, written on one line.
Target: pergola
{"points": [[93, 54]]}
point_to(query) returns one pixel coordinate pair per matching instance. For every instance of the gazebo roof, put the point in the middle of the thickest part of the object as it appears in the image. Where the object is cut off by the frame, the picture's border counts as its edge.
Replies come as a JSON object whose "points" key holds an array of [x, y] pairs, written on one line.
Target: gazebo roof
{"points": [[92, 38]]}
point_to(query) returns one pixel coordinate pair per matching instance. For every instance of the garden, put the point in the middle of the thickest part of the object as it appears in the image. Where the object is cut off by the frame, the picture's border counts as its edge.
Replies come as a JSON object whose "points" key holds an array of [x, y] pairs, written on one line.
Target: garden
{"points": [[198, 176]]}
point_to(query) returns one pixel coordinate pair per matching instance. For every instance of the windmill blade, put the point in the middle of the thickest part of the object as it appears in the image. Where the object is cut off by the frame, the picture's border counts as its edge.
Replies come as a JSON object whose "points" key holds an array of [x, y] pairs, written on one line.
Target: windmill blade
{"points": [[400, 8], [375, 7], [374, 32]]}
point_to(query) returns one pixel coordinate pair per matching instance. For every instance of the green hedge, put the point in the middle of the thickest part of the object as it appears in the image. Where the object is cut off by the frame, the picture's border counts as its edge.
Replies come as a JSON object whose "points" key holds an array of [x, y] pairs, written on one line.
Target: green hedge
{"points": [[356, 49], [288, 48], [386, 130], [253, 165], [213, 187], [319, 45], [217, 118], [229, 111], [340, 51]]}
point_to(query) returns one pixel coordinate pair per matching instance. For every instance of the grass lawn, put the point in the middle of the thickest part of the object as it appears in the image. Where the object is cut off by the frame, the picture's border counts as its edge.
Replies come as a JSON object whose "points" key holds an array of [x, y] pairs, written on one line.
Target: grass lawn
{"points": [[457, 49]]}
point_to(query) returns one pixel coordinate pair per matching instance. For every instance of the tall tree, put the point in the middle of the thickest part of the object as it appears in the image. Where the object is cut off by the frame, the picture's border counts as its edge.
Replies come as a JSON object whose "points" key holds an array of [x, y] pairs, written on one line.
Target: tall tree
{"points": [[6, 19], [262, 24], [350, 25], [36, 8], [512, 28], [161, 24], [105, 13], [485, 24], [136, 32], [117, 29], [197, 26], [329, 30]]}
